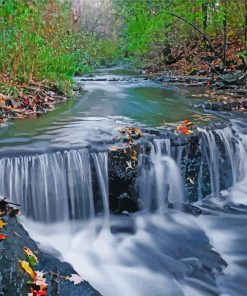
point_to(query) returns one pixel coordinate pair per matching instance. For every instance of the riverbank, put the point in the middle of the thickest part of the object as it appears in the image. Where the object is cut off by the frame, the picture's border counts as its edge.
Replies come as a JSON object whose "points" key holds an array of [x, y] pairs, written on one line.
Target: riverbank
{"points": [[202, 64], [24, 100], [219, 95], [26, 269]]}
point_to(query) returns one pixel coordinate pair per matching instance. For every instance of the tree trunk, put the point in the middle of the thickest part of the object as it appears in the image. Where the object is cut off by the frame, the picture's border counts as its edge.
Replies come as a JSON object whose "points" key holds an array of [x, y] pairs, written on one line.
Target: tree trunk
{"points": [[224, 33], [205, 16]]}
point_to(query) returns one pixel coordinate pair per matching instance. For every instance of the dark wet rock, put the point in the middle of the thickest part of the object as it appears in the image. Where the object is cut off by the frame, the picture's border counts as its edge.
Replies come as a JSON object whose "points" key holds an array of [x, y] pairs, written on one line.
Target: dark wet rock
{"points": [[197, 84], [191, 209], [227, 106], [195, 81], [87, 79], [113, 79], [101, 79], [221, 85], [194, 166], [231, 78], [13, 279], [123, 194], [78, 88], [214, 106]]}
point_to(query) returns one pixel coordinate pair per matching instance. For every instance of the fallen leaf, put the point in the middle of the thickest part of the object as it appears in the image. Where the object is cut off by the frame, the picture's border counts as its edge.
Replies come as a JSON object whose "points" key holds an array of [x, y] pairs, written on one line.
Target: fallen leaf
{"points": [[75, 278], [38, 293], [42, 284], [113, 148], [40, 280], [134, 158], [32, 260], [129, 165], [41, 293], [30, 253], [30, 283], [3, 236], [187, 122], [191, 181], [2, 224], [196, 116], [39, 274], [183, 130], [25, 266]]}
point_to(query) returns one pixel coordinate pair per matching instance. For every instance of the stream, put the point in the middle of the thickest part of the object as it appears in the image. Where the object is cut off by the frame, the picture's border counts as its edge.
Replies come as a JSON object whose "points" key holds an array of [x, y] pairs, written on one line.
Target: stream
{"points": [[57, 168]]}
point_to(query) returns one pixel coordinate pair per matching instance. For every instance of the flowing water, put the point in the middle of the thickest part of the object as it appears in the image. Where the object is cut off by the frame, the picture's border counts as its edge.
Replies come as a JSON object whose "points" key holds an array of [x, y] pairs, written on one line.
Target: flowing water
{"points": [[54, 170]]}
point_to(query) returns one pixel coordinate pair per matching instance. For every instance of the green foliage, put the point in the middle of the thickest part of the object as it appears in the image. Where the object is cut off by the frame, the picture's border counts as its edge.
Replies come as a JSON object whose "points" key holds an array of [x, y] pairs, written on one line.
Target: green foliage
{"points": [[109, 51], [151, 26], [38, 43]]}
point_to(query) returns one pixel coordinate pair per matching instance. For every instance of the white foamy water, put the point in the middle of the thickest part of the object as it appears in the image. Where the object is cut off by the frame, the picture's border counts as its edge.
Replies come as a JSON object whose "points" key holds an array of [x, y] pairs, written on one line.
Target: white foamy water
{"points": [[155, 259]]}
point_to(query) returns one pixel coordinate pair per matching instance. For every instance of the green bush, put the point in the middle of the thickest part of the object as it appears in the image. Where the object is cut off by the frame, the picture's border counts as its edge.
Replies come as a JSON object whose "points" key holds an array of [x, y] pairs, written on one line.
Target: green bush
{"points": [[38, 43]]}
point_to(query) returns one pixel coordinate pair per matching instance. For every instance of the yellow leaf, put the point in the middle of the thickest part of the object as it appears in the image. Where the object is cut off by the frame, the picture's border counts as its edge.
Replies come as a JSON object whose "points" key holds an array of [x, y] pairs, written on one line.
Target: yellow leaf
{"points": [[25, 266], [133, 157], [2, 224], [29, 252], [2, 213]]}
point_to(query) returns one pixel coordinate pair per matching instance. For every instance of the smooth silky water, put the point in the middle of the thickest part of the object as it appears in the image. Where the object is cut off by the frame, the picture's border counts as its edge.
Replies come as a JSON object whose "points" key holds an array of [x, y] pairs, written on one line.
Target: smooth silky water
{"points": [[157, 251]]}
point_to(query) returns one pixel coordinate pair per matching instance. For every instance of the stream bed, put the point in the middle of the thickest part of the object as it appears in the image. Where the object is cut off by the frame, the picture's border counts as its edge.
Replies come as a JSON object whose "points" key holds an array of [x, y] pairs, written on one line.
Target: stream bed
{"points": [[57, 168]]}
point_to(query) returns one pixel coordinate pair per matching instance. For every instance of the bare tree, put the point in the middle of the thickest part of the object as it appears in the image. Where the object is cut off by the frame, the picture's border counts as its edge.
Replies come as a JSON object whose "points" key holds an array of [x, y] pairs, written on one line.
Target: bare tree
{"points": [[93, 16]]}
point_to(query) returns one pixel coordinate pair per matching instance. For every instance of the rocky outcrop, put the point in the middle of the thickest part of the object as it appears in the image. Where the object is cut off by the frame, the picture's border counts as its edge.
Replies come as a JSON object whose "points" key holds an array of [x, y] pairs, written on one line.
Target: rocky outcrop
{"points": [[13, 279]]}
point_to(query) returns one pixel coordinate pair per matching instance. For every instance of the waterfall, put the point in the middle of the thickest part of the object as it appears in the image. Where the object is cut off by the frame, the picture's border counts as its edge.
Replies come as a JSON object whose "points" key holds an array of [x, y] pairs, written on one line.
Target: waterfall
{"points": [[227, 137], [212, 154], [239, 191], [160, 182], [54, 186], [74, 185], [101, 164], [219, 166]]}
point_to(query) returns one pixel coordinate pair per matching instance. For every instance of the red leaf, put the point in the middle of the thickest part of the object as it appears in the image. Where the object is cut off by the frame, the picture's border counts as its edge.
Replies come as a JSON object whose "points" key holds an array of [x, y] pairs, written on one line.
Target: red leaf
{"points": [[38, 293], [3, 236]]}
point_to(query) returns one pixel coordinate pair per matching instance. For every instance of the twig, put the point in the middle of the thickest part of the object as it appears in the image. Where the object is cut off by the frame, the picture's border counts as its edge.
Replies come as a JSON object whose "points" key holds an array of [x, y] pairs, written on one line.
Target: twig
{"points": [[10, 203]]}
